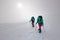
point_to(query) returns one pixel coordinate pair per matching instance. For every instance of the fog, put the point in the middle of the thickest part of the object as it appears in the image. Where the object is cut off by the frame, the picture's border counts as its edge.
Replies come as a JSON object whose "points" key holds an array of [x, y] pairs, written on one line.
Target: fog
{"points": [[17, 11], [10, 11]]}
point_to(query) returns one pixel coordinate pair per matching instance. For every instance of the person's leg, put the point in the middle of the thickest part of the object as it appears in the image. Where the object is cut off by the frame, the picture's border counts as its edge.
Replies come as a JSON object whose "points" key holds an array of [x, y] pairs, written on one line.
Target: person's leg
{"points": [[32, 24], [39, 28]]}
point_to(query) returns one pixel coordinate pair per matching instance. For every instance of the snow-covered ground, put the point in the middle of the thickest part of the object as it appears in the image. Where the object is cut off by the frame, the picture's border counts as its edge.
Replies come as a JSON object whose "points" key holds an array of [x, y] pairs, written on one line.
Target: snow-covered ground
{"points": [[24, 31], [20, 31]]}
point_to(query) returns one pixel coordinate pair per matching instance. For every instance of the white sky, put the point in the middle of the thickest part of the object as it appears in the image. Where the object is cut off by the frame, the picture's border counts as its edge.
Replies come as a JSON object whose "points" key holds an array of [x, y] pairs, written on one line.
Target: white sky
{"points": [[10, 11]]}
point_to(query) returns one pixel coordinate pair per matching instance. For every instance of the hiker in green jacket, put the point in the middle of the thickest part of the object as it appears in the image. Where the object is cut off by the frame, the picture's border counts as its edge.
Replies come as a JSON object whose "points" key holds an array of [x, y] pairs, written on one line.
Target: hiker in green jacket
{"points": [[32, 20], [40, 23]]}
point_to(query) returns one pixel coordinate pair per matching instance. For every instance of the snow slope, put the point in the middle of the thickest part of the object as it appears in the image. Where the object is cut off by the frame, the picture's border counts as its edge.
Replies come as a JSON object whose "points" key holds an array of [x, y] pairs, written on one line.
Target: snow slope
{"points": [[20, 31]]}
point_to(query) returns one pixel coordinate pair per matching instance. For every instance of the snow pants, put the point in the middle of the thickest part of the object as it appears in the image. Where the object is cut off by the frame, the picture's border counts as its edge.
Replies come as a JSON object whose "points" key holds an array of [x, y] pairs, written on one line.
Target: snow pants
{"points": [[32, 24], [39, 25]]}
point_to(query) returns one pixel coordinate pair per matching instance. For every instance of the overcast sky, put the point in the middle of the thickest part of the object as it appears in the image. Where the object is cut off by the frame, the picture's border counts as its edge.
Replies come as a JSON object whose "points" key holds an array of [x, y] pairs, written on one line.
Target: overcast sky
{"points": [[10, 11]]}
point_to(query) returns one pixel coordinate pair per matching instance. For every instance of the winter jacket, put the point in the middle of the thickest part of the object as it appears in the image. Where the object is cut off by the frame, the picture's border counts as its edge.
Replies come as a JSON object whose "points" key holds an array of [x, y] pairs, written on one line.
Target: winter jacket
{"points": [[39, 20], [32, 19]]}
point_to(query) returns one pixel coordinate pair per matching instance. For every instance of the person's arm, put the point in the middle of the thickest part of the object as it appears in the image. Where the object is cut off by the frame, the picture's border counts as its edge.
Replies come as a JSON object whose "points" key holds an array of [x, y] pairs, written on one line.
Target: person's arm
{"points": [[37, 21], [42, 23]]}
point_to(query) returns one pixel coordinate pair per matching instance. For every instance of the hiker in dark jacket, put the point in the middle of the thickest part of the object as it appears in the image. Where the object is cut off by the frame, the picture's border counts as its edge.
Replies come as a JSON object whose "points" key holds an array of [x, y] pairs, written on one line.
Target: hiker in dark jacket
{"points": [[32, 20], [40, 22]]}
